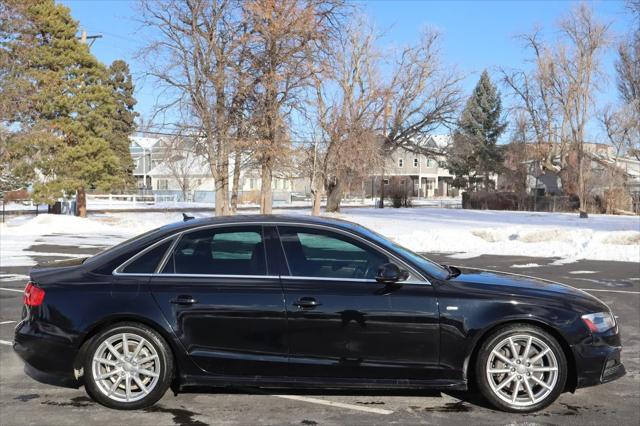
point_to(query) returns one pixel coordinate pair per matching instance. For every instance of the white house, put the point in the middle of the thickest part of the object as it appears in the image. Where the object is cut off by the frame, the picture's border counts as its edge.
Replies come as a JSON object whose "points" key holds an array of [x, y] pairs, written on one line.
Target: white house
{"points": [[423, 172]]}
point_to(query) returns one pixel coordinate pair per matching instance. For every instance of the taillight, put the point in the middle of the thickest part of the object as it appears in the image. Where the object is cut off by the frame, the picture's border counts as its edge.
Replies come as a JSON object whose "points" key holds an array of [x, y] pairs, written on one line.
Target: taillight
{"points": [[33, 295]]}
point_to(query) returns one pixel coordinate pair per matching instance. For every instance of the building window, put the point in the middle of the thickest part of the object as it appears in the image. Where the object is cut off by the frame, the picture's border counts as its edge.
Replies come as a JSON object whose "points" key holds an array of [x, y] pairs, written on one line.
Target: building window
{"points": [[415, 162], [401, 181], [386, 181], [163, 184], [400, 162]]}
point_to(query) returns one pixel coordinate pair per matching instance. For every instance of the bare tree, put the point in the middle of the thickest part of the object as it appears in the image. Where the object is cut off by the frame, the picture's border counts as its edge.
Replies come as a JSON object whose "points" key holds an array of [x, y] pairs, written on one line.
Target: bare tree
{"points": [[181, 162], [580, 68], [536, 96], [286, 37], [190, 60], [422, 95], [348, 103], [557, 95], [626, 120]]}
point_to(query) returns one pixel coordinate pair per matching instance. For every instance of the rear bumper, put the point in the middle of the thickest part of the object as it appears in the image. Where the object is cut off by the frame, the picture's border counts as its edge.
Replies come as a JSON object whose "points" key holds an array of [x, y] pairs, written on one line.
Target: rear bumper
{"points": [[48, 358], [598, 361]]}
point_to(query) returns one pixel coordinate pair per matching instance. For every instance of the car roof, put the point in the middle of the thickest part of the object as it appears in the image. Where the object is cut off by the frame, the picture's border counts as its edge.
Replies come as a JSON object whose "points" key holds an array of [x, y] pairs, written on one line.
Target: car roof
{"points": [[261, 218]]}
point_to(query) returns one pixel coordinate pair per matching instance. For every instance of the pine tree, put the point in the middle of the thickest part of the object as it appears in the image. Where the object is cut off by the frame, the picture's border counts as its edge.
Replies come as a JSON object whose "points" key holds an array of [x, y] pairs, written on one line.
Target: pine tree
{"points": [[60, 104], [475, 154], [124, 116]]}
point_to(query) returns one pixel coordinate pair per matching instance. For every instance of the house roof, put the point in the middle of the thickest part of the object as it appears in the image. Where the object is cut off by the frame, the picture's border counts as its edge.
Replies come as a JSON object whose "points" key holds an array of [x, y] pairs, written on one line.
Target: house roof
{"points": [[144, 142], [195, 166]]}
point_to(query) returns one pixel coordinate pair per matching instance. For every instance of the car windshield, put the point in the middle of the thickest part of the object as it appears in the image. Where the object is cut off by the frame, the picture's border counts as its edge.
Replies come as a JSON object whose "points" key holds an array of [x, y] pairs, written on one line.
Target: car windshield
{"points": [[429, 266]]}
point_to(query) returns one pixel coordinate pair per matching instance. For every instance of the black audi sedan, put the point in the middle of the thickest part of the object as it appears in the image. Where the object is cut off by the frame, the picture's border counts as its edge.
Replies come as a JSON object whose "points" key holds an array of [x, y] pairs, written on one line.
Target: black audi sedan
{"points": [[295, 301]]}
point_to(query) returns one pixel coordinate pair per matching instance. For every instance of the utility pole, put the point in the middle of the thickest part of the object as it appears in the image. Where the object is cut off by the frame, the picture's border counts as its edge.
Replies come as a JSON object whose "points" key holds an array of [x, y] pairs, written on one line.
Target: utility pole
{"points": [[81, 197], [88, 39]]}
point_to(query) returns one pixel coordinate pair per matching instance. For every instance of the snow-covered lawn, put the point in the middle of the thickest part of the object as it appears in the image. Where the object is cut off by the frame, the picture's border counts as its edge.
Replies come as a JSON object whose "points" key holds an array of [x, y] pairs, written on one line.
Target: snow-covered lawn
{"points": [[466, 233], [476, 232], [102, 204]]}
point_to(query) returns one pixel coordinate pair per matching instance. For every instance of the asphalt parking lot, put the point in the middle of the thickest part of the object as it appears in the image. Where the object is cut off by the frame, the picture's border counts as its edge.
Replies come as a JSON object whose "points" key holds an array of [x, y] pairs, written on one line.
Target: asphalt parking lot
{"points": [[26, 402]]}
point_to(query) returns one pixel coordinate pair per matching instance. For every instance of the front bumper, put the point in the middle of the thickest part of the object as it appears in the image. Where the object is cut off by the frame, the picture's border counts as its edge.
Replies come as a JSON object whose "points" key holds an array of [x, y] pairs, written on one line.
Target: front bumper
{"points": [[598, 360], [48, 358]]}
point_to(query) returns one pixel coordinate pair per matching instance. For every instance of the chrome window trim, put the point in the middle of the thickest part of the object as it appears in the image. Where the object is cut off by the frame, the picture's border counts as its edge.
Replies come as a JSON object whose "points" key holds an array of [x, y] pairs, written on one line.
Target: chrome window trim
{"points": [[165, 258], [418, 278], [267, 277], [359, 280]]}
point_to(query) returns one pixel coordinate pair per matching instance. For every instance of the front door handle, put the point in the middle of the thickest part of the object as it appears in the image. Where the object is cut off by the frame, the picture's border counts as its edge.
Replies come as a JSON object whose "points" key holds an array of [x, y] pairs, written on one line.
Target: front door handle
{"points": [[307, 303], [184, 300]]}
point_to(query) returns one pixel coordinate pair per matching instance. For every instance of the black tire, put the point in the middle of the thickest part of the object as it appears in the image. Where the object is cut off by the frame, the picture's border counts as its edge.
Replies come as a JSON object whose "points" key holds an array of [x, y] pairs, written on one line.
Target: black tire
{"points": [[165, 364], [494, 339]]}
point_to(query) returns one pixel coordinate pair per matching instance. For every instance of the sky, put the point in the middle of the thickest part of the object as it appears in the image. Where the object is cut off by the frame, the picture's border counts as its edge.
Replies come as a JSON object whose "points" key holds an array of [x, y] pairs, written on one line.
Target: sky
{"points": [[476, 35]]}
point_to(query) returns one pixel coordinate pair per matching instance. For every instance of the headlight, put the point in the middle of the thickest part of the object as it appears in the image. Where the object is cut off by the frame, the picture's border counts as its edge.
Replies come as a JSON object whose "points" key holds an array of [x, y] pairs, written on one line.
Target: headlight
{"points": [[599, 322]]}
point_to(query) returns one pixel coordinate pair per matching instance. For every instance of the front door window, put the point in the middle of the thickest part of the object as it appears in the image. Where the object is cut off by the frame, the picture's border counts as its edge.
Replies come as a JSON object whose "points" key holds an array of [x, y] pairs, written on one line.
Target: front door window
{"points": [[323, 254]]}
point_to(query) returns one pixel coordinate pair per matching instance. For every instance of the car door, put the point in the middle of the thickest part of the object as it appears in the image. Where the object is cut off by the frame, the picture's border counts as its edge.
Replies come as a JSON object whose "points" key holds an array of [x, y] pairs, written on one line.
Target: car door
{"points": [[342, 323], [223, 300]]}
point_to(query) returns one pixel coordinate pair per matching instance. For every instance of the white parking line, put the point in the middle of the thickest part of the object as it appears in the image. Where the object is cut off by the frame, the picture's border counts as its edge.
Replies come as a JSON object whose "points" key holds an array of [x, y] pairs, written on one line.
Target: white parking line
{"points": [[6, 322], [6, 342], [335, 404], [12, 289], [610, 291]]}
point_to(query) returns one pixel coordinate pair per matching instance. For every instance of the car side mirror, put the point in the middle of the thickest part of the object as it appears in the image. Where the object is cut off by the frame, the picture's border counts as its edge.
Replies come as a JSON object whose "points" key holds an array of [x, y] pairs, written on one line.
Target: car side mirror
{"points": [[390, 273]]}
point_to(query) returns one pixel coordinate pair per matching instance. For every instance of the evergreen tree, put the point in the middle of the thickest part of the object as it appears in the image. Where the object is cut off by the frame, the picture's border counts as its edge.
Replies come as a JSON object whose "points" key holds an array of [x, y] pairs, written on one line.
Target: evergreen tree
{"points": [[475, 154], [124, 115], [60, 106]]}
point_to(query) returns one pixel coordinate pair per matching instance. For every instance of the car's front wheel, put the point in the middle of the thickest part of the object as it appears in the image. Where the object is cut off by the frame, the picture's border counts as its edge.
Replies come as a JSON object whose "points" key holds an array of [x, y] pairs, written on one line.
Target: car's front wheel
{"points": [[521, 368], [128, 366]]}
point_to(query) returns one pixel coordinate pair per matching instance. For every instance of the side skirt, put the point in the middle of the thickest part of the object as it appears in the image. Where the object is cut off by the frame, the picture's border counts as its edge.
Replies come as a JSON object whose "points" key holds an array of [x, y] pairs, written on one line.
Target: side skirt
{"points": [[313, 382]]}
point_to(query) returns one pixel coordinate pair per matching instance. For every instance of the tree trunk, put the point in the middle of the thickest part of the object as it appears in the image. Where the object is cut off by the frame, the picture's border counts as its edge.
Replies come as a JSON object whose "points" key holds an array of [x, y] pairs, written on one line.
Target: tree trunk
{"points": [[317, 193], [220, 199], [581, 185], [334, 196], [225, 184], [315, 208], [382, 189], [81, 202], [266, 195], [236, 182]]}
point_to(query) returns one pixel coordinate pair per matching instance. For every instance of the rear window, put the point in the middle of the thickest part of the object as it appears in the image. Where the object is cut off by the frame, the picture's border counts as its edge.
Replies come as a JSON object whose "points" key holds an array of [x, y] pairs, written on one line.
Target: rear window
{"points": [[219, 251], [148, 262]]}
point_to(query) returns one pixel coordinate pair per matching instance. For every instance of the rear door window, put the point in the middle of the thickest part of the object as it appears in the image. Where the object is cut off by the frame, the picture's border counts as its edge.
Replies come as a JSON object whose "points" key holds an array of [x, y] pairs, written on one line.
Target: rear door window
{"points": [[221, 251]]}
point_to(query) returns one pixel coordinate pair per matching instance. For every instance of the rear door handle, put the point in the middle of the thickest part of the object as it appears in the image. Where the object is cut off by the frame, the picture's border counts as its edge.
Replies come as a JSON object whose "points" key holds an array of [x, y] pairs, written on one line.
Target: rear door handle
{"points": [[184, 300], [307, 303]]}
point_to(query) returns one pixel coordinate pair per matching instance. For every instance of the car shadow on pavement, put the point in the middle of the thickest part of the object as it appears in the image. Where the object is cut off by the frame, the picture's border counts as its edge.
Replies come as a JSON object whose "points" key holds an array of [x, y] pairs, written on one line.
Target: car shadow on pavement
{"points": [[466, 400]]}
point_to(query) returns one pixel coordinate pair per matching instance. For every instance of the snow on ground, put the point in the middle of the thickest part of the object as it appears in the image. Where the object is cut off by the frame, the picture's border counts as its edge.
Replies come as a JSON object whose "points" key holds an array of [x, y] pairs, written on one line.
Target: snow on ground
{"points": [[526, 265], [563, 235], [464, 233], [102, 204], [19, 234]]}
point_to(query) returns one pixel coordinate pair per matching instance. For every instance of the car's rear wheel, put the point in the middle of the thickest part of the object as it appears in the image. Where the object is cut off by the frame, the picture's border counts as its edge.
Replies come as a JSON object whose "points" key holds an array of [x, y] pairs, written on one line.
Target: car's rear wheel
{"points": [[521, 368], [128, 366]]}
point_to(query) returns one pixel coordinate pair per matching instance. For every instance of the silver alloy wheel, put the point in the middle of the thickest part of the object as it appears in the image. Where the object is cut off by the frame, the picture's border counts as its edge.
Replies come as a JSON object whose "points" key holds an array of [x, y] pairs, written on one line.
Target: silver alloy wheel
{"points": [[126, 367], [522, 370]]}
